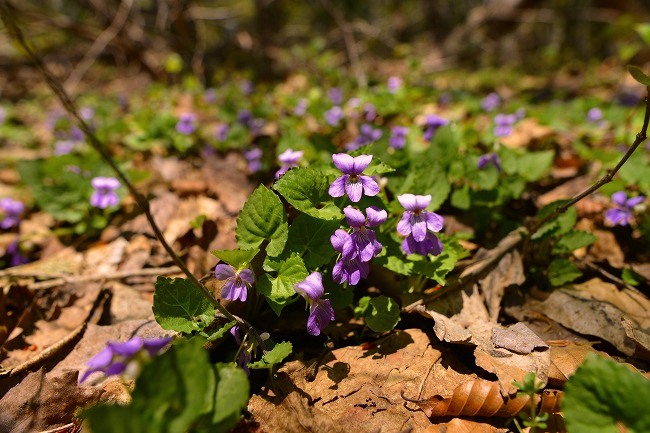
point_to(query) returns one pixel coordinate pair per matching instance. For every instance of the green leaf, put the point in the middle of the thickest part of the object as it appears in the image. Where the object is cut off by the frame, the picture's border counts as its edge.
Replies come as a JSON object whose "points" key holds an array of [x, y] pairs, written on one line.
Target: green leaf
{"points": [[278, 289], [236, 258], [306, 189], [310, 238], [563, 223], [638, 75], [381, 314], [533, 165], [179, 306], [630, 277], [231, 397], [262, 218], [460, 198], [573, 240], [606, 397], [217, 334], [274, 356], [378, 167], [562, 271], [171, 405]]}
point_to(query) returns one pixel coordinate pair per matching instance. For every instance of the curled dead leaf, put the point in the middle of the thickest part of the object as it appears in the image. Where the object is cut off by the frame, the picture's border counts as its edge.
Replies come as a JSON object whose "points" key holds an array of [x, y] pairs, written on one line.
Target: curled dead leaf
{"points": [[483, 398]]}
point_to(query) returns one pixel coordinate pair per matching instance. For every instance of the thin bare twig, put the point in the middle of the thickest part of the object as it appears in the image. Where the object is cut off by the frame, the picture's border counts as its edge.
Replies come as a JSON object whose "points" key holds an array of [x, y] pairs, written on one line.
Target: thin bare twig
{"points": [[640, 138], [16, 33], [99, 45]]}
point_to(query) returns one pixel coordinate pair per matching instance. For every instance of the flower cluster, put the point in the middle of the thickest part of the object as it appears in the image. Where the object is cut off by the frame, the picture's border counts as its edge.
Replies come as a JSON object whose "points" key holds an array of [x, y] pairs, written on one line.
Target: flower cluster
{"points": [[397, 138], [289, 159], [320, 310], [236, 281], [367, 135], [621, 214], [254, 158], [333, 116], [104, 195], [503, 124], [186, 124], [12, 211], [118, 358], [418, 225], [491, 102]]}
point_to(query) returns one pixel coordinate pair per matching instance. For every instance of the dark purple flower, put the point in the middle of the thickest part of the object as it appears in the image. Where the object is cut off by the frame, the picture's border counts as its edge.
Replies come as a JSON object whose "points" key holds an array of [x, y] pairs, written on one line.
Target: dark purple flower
{"points": [[301, 107], [12, 211], [221, 132], [621, 214], [491, 101], [237, 282], [503, 124], [244, 117], [186, 123], [394, 83], [367, 135], [289, 158], [254, 158], [333, 116], [104, 194], [348, 268], [487, 159], [594, 115], [244, 353], [76, 134], [397, 138], [16, 258], [116, 357], [353, 182], [363, 243], [430, 245], [431, 124], [336, 95], [320, 310]]}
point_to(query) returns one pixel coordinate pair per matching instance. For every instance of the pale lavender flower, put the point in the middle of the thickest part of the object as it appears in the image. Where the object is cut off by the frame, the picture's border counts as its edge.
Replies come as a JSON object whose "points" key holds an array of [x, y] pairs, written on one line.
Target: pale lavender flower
{"points": [[369, 112], [236, 282], [64, 147], [116, 357], [246, 87], [321, 312], [363, 241], [186, 123], [353, 103], [503, 124], [76, 134], [621, 214], [336, 95], [397, 138], [595, 115], [11, 211], [254, 158], [104, 194], [367, 135], [348, 268], [301, 107], [334, 115], [86, 113], [431, 124], [289, 159], [417, 220], [487, 159], [210, 96], [221, 132], [353, 182], [491, 102], [394, 83]]}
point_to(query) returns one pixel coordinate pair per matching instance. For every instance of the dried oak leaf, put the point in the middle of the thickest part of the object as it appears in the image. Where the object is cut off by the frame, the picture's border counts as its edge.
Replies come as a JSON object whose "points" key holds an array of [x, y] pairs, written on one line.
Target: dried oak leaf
{"points": [[482, 398], [508, 272]]}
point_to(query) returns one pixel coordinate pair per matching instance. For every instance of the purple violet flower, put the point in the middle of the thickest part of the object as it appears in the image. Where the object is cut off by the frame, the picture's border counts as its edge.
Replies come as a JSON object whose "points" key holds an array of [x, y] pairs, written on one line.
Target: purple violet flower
{"points": [[246, 87], [595, 115], [347, 269], [210, 96], [16, 258], [86, 113], [621, 214], [367, 135], [353, 182], [244, 117], [503, 124], [430, 245], [336, 95], [417, 225], [237, 282], [333, 116], [363, 243], [491, 102], [64, 147], [369, 112], [431, 124], [289, 159], [116, 357], [320, 310], [487, 159], [221, 132], [301, 107], [12, 211], [76, 134], [244, 354], [394, 83], [104, 194], [186, 123], [397, 138], [254, 158]]}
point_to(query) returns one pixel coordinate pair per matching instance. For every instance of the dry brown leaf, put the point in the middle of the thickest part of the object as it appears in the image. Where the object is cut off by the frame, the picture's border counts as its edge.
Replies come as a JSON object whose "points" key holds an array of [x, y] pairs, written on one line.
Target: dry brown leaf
{"points": [[483, 398], [565, 360], [459, 425], [606, 249], [597, 308], [508, 272], [227, 181], [525, 132], [517, 338]]}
